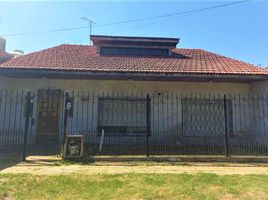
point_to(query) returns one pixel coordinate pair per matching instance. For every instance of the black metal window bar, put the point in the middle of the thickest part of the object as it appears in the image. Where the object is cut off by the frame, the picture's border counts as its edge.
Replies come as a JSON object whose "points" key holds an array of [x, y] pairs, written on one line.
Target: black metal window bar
{"points": [[122, 116]]}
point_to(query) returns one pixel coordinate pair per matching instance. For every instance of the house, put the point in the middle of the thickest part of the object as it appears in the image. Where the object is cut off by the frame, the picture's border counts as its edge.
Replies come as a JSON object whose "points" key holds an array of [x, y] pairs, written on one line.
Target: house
{"points": [[138, 91], [4, 56]]}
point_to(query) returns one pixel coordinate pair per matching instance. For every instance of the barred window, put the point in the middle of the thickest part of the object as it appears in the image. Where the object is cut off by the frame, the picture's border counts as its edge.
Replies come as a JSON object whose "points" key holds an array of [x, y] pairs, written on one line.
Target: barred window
{"points": [[205, 117], [122, 116]]}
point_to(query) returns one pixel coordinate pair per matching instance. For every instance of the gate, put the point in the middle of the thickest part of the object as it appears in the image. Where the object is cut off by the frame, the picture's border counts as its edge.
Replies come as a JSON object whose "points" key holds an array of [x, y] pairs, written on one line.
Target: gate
{"points": [[13, 124], [18, 135]]}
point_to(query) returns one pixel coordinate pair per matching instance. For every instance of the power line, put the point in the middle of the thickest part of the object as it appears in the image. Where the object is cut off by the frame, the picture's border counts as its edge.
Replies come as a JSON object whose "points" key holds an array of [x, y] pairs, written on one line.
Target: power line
{"points": [[44, 32], [184, 13], [149, 24], [173, 14]]}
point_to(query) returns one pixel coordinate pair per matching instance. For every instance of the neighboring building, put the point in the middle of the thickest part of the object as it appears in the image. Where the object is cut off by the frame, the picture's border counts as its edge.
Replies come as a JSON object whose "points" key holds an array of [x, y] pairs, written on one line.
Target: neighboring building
{"points": [[2, 44], [106, 86], [4, 56], [17, 53]]}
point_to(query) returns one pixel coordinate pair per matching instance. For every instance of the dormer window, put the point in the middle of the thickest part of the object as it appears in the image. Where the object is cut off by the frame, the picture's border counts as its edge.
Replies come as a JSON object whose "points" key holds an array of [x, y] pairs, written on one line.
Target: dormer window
{"points": [[134, 46], [133, 51]]}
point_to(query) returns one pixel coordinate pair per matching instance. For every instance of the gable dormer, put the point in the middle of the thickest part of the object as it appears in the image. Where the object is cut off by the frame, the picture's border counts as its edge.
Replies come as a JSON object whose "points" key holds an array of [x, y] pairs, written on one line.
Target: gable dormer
{"points": [[134, 46]]}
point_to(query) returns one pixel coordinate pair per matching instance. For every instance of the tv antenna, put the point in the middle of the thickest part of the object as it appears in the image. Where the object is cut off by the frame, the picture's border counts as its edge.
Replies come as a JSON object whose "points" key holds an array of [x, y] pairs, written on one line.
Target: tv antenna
{"points": [[91, 23]]}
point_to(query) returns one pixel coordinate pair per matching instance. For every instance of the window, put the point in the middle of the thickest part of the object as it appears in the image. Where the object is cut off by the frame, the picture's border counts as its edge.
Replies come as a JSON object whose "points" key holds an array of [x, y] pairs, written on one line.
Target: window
{"points": [[133, 51], [122, 116], [205, 118]]}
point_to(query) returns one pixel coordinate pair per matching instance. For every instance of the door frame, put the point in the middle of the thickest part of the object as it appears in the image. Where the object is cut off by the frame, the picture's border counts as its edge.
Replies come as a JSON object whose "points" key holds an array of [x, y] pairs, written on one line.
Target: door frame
{"points": [[61, 99]]}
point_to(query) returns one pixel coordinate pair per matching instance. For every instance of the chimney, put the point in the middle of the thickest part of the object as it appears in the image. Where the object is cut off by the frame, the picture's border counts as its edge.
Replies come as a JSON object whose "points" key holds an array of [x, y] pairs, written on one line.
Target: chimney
{"points": [[2, 44]]}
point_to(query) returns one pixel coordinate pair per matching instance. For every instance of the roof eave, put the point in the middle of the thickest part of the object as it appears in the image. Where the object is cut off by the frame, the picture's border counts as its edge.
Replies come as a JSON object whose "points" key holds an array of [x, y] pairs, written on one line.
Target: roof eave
{"points": [[129, 38], [194, 77]]}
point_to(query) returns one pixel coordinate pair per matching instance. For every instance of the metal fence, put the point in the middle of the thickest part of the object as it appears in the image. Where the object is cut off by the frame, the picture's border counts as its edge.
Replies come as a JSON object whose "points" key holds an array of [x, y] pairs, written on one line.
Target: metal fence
{"points": [[36, 123]]}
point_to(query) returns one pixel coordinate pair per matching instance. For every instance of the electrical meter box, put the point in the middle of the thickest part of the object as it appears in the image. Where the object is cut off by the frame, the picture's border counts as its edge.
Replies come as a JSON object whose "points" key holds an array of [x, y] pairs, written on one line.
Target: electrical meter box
{"points": [[73, 146]]}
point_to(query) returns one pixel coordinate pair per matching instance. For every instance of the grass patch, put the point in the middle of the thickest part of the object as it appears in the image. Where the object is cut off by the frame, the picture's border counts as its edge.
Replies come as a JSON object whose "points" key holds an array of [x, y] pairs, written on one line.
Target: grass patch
{"points": [[67, 162], [133, 186]]}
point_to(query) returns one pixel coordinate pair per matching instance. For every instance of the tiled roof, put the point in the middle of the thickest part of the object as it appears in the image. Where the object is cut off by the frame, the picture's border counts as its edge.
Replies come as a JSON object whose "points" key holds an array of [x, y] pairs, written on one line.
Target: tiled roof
{"points": [[4, 56], [2, 53], [84, 58]]}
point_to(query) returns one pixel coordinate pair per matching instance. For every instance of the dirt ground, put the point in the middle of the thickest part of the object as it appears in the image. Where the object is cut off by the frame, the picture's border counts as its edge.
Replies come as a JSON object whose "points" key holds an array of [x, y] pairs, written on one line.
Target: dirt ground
{"points": [[53, 166]]}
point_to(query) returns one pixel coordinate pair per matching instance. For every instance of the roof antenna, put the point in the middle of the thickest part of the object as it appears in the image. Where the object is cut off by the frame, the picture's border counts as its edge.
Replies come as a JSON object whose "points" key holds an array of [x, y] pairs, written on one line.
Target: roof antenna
{"points": [[90, 22]]}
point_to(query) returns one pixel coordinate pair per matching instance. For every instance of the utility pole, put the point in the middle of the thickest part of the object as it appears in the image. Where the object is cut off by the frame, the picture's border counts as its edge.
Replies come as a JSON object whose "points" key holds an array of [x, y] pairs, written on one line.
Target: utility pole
{"points": [[91, 23]]}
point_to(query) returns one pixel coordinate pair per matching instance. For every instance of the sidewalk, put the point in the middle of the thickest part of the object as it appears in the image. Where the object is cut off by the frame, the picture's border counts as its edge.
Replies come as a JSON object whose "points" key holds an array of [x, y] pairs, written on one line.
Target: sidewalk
{"points": [[51, 167]]}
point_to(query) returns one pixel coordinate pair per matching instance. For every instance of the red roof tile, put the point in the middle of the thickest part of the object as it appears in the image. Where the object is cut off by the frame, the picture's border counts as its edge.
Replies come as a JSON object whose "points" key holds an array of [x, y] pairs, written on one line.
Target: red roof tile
{"points": [[84, 58], [4, 56]]}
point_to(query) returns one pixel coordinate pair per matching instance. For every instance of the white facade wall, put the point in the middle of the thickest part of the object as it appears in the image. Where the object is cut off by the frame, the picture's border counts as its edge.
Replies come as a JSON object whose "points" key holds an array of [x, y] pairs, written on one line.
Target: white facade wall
{"points": [[125, 86]]}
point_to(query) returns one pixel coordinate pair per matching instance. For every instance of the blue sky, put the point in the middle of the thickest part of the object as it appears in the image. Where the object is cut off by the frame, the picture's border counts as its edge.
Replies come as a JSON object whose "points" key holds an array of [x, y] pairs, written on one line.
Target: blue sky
{"points": [[239, 31]]}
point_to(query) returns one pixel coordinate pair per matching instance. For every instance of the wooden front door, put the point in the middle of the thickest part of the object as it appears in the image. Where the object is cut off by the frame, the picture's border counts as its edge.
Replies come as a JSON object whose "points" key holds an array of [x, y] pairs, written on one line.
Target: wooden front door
{"points": [[49, 104]]}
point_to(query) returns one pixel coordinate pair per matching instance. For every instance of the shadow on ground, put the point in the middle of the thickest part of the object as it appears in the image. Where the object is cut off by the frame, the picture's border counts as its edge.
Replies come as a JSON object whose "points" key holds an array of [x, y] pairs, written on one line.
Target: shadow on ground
{"points": [[8, 163]]}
